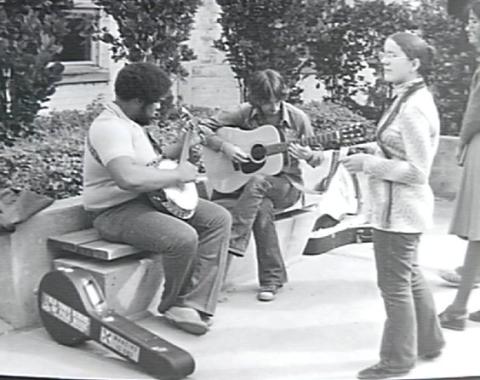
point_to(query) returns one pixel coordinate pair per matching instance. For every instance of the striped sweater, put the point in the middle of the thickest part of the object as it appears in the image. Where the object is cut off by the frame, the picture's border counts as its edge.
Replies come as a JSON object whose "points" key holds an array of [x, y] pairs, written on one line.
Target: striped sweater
{"points": [[412, 141]]}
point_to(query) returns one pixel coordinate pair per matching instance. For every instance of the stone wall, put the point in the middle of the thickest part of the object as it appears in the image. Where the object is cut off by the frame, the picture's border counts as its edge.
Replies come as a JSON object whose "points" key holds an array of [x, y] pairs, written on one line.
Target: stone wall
{"points": [[211, 82], [25, 258], [84, 82], [79, 95]]}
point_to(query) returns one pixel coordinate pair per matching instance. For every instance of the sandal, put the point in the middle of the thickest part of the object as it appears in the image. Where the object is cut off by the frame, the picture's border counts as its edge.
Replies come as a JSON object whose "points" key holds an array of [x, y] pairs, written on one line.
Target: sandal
{"points": [[453, 320]]}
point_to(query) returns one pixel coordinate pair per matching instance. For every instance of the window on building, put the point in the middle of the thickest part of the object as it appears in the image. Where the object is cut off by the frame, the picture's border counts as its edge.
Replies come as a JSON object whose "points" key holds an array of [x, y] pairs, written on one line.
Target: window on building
{"points": [[78, 46]]}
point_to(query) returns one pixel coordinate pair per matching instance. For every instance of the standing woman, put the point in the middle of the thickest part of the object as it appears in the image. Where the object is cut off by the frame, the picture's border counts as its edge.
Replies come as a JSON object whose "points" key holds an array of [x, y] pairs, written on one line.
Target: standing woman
{"points": [[466, 218], [398, 171]]}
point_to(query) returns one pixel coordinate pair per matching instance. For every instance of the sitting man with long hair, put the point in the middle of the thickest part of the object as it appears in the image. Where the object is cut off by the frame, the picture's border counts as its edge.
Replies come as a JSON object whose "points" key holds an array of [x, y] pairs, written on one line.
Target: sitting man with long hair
{"points": [[252, 206]]}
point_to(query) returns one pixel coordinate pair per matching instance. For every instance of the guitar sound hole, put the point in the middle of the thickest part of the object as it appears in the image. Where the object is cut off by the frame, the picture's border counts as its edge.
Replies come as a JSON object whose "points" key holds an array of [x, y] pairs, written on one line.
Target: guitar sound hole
{"points": [[258, 153], [251, 167]]}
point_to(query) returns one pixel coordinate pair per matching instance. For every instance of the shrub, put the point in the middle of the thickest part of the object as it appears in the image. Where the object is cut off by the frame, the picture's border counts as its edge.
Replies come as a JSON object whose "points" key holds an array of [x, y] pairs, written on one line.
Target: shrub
{"points": [[351, 37], [30, 36], [454, 64], [345, 38], [151, 30], [50, 162], [261, 34], [329, 116]]}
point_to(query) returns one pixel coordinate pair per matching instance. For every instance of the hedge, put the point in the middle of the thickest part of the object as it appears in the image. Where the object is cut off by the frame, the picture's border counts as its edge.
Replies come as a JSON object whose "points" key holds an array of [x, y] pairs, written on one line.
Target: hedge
{"points": [[50, 162]]}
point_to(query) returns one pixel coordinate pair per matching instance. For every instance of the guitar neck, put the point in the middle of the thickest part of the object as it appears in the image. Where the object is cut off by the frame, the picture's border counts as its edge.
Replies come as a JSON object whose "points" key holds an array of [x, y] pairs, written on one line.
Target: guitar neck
{"points": [[320, 139], [186, 145]]}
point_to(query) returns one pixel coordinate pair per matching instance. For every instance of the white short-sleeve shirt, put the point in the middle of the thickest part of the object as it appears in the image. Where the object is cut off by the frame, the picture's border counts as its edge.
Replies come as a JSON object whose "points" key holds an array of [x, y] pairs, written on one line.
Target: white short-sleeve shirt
{"points": [[112, 135]]}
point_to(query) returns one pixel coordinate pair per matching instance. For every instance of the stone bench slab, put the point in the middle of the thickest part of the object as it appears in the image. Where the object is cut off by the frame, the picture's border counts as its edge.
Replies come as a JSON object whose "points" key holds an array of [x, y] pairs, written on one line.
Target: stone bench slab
{"points": [[89, 243]]}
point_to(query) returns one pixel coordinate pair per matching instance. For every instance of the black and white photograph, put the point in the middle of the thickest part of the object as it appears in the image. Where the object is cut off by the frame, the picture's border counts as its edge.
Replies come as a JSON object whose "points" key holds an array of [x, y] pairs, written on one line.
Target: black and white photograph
{"points": [[239, 189]]}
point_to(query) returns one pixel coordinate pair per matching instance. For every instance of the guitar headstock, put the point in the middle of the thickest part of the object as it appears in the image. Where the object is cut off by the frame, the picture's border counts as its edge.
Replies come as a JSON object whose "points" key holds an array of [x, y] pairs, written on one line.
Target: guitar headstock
{"points": [[188, 119], [354, 134], [193, 124]]}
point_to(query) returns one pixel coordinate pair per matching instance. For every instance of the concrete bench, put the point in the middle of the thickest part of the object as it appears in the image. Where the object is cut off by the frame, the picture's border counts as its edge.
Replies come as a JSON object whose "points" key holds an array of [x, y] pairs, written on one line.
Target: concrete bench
{"points": [[89, 243], [25, 257], [129, 277]]}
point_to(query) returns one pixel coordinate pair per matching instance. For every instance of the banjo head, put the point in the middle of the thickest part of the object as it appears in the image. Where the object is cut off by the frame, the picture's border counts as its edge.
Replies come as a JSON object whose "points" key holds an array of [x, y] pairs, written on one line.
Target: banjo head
{"points": [[180, 202]]}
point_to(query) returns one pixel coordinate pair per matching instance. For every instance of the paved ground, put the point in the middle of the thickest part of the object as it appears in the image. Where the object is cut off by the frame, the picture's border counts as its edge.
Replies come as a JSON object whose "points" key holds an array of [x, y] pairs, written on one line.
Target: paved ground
{"points": [[325, 324]]}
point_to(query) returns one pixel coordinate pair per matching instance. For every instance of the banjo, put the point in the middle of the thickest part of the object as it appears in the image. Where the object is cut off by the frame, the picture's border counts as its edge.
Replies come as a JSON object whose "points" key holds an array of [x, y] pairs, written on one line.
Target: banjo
{"points": [[178, 201]]}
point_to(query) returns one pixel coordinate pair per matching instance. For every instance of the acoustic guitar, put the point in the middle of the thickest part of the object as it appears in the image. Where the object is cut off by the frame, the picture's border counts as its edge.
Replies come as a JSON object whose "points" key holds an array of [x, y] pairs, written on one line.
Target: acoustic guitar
{"points": [[265, 149], [73, 310]]}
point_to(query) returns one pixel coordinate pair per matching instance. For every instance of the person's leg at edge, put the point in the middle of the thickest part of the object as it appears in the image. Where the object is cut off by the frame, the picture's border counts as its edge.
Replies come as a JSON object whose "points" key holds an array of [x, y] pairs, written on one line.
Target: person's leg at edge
{"points": [[455, 315]]}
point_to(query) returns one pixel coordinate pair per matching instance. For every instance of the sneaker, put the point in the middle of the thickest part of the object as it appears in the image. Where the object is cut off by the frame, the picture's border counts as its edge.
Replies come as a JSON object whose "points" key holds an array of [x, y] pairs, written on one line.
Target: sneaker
{"points": [[186, 319], [267, 292], [453, 320], [381, 371]]}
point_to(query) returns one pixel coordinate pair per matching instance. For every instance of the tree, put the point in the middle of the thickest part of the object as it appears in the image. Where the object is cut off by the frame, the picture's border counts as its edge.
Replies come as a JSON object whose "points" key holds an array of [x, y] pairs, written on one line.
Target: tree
{"points": [[454, 65], [348, 40], [260, 34], [352, 36], [151, 31], [31, 32]]}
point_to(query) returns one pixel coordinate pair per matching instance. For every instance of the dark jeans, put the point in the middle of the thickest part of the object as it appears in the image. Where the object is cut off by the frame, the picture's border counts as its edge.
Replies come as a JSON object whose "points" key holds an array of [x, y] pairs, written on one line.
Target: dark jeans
{"points": [[253, 211], [193, 252], [412, 326]]}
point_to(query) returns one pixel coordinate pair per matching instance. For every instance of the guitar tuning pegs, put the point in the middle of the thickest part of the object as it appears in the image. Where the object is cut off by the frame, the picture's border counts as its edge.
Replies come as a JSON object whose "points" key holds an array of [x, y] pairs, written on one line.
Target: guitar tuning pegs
{"points": [[185, 112]]}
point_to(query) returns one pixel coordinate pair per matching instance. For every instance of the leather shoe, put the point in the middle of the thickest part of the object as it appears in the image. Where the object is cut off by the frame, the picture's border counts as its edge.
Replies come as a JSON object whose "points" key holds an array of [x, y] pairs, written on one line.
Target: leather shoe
{"points": [[186, 319], [381, 371], [475, 316], [431, 355]]}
